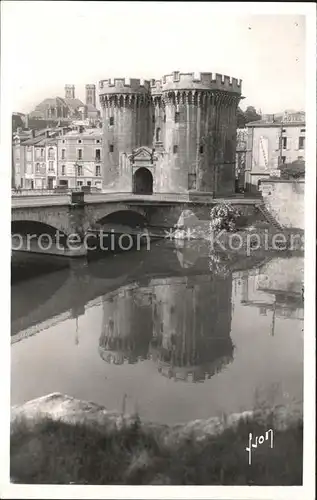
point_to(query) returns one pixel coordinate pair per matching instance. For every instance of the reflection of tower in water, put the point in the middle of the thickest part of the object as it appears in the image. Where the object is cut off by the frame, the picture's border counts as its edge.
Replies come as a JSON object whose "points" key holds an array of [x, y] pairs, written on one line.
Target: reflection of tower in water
{"points": [[191, 326], [183, 324], [127, 325]]}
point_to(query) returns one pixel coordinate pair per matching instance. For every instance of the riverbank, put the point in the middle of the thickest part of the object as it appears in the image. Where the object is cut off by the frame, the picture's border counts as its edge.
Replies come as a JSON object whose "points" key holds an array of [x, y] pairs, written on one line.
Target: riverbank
{"points": [[60, 440]]}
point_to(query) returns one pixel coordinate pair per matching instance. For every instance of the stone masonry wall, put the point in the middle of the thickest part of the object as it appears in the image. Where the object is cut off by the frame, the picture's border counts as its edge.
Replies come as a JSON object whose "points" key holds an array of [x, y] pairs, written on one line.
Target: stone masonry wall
{"points": [[285, 200]]}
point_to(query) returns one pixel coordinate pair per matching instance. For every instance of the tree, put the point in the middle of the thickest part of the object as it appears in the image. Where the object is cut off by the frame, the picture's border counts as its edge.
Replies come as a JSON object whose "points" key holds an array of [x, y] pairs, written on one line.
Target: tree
{"points": [[240, 118], [251, 115], [294, 170]]}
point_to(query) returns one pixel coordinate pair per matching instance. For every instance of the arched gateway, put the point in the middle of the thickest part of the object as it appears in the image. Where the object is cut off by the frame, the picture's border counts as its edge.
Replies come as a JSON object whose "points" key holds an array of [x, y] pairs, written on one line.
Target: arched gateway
{"points": [[143, 181]]}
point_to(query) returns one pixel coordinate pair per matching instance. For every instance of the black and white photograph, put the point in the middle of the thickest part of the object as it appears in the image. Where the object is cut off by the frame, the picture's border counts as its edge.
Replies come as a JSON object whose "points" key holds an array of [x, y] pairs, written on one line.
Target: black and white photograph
{"points": [[158, 167]]}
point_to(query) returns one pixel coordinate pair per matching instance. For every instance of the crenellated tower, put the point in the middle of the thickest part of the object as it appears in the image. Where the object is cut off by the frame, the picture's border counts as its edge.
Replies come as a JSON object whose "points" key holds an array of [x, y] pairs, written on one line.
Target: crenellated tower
{"points": [[127, 125], [186, 125], [197, 118]]}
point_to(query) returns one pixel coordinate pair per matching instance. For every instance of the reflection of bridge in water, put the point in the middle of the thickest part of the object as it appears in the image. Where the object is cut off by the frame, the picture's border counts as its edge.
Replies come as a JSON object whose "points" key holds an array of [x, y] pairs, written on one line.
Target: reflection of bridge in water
{"points": [[66, 293]]}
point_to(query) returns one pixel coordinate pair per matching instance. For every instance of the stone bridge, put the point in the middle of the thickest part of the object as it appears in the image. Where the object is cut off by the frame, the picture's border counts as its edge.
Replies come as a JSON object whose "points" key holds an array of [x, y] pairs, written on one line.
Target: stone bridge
{"points": [[71, 215]]}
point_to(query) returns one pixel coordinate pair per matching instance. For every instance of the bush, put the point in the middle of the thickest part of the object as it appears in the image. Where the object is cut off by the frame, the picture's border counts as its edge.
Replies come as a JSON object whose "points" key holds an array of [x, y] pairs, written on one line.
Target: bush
{"points": [[218, 265], [224, 217]]}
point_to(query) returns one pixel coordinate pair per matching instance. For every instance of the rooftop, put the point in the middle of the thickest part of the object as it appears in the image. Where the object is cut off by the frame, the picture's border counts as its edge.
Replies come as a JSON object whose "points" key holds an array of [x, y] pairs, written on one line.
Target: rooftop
{"points": [[57, 101], [287, 119], [276, 123], [39, 141], [87, 132]]}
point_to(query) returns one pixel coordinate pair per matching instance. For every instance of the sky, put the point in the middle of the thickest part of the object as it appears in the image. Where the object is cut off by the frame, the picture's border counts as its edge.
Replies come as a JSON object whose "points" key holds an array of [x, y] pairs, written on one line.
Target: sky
{"points": [[48, 44]]}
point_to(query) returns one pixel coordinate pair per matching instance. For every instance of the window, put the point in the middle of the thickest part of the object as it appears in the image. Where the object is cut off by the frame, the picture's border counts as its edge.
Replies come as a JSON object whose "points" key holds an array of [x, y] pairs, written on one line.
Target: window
{"points": [[42, 153], [63, 170], [79, 154], [284, 142], [37, 168], [79, 183], [51, 154], [50, 166], [300, 158], [301, 143], [175, 149], [177, 117], [79, 170], [191, 181], [111, 120], [88, 183], [303, 130], [98, 170], [63, 142], [201, 149], [284, 130], [97, 154], [29, 156], [153, 119], [63, 154], [111, 148], [37, 153], [164, 119], [283, 159], [79, 141], [98, 141]]}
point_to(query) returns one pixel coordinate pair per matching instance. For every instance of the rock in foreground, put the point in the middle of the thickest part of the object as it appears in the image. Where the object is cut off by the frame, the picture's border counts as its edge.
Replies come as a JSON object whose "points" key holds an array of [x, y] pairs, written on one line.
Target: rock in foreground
{"points": [[57, 439]]}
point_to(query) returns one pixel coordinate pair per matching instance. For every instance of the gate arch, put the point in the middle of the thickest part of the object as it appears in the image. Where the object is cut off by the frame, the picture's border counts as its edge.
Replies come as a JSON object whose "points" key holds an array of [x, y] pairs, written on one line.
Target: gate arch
{"points": [[143, 181]]}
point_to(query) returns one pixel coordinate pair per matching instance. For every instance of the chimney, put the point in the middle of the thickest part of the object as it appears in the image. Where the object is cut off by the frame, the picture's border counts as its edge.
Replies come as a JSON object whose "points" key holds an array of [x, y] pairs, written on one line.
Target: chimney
{"points": [[26, 121], [47, 133], [33, 133], [91, 94]]}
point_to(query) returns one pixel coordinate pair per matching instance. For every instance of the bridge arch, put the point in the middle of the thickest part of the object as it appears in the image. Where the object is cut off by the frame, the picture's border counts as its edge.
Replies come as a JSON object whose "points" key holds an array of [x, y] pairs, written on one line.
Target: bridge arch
{"points": [[129, 218], [118, 213], [35, 227], [56, 217]]}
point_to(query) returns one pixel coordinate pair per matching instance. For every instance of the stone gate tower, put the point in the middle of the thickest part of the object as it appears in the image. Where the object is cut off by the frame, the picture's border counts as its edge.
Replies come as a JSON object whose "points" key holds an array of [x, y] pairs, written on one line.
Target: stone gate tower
{"points": [[195, 119], [173, 135], [126, 107]]}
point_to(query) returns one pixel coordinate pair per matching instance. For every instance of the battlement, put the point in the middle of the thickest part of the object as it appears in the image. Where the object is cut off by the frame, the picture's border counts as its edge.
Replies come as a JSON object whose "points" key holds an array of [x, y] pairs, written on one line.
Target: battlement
{"points": [[124, 86], [196, 81]]}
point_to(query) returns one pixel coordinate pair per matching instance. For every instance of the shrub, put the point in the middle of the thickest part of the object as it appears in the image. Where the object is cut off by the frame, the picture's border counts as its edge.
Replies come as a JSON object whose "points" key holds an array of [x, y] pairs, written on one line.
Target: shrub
{"points": [[224, 217], [218, 265]]}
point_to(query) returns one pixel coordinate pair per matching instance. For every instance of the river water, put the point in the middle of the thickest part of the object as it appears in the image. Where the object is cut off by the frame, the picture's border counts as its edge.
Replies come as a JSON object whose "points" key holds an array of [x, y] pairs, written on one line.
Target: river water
{"points": [[175, 333]]}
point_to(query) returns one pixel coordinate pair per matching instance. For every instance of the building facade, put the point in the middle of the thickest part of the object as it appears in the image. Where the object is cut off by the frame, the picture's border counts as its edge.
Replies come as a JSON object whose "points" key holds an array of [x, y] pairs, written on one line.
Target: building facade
{"points": [[241, 155], [80, 158], [272, 142], [172, 135], [35, 161]]}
